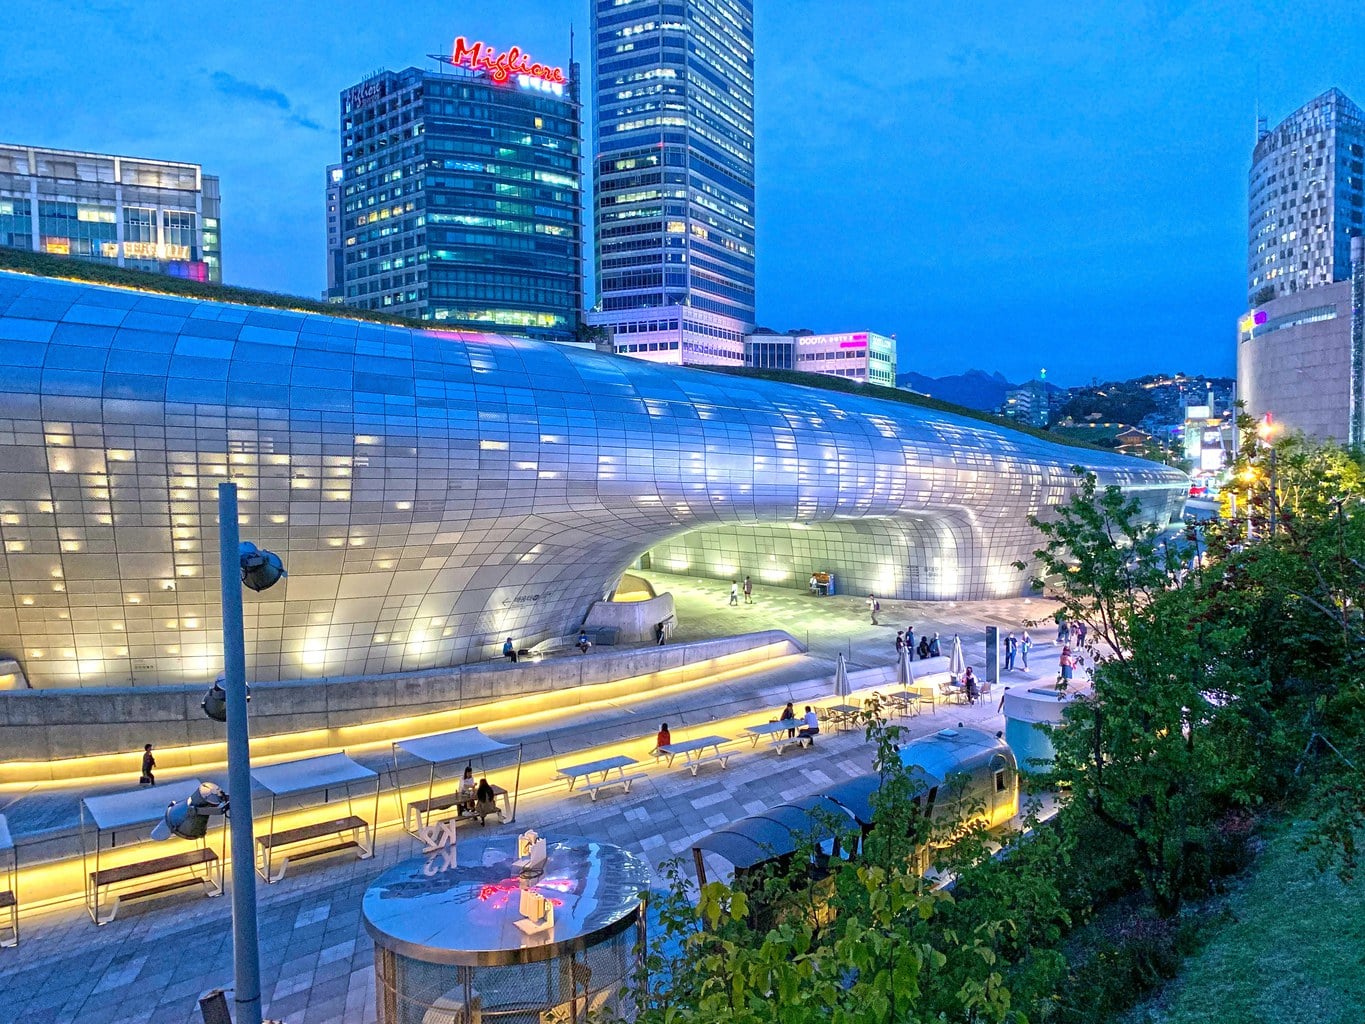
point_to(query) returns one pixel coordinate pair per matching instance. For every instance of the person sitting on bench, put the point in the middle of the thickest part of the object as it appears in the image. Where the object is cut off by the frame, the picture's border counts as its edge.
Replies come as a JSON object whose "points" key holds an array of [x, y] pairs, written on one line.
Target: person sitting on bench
{"points": [[509, 651], [662, 740], [812, 727], [467, 789], [485, 802], [583, 642]]}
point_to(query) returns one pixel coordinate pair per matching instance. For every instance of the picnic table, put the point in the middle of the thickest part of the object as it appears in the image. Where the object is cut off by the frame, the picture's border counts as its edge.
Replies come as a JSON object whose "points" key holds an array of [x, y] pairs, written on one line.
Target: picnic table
{"points": [[780, 734], [694, 751], [618, 763]]}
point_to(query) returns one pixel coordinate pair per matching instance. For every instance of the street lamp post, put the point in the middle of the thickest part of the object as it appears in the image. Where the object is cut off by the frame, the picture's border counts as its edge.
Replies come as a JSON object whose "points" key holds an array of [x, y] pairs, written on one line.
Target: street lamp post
{"points": [[246, 957]]}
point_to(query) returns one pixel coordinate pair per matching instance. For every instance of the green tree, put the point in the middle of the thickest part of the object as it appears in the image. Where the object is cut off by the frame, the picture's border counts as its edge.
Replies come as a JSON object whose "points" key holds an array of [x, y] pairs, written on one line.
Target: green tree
{"points": [[868, 944], [1164, 740]]}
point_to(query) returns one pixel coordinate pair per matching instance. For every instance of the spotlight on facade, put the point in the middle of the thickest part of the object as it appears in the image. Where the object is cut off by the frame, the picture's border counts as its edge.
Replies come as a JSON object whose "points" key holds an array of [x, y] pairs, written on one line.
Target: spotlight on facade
{"points": [[189, 818], [215, 701], [261, 570]]}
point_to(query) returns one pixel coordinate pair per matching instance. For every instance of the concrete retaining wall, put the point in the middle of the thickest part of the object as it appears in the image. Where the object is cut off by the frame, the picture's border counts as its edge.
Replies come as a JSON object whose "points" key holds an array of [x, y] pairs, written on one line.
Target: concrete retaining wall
{"points": [[39, 727], [634, 621]]}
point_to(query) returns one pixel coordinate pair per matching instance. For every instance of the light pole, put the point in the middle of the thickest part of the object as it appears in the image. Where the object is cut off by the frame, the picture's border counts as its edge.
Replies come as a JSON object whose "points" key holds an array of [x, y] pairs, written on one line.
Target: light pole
{"points": [[1266, 431], [241, 563]]}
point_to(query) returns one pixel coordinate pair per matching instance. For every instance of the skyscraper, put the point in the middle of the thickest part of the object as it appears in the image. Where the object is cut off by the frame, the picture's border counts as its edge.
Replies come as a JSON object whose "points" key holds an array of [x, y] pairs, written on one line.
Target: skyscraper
{"points": [[157, 215], [674, 173], [1300, 353], [1306, 190], [336, 253], [461, 199]]}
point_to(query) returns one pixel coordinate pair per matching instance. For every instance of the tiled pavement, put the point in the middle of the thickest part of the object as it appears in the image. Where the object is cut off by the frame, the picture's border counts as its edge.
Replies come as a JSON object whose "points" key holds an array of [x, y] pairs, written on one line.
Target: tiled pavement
{"points": [[152, 963]]}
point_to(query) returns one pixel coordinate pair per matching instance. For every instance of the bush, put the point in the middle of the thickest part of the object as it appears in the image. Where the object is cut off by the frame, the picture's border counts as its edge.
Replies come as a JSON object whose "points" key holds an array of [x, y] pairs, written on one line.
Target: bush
{"points": [[1130, 955]]}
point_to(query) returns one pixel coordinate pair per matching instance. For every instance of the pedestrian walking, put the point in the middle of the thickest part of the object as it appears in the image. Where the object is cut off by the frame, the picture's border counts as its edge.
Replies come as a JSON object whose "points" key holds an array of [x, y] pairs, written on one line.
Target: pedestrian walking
{"points": [[874, 606], [900, 642], [148, 766], [1063, 630], [1025, 645], [734, 594], [1081, 630], [1011, 645], [1067, 664], [933, 646], [748, 591], [910, 641]]}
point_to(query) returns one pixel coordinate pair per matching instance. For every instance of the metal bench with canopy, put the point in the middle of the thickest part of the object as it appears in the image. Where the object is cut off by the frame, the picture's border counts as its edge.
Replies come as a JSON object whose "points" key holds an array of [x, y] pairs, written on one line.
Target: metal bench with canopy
{"points": [[137, 811], [441, 750], [775, 833], [9, 888], [303, 778]]}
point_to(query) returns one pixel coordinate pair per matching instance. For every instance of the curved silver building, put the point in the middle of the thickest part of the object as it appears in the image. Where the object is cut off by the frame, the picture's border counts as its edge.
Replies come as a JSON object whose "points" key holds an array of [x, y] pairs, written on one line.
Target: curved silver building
{"points": [[434, 493]]}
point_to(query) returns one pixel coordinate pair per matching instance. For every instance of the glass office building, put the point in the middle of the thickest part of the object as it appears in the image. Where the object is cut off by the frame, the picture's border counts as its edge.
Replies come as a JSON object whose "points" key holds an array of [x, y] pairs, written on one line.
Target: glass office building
{"points": [[1307, 198], [674, 172], [156, 215], [461, 200]]}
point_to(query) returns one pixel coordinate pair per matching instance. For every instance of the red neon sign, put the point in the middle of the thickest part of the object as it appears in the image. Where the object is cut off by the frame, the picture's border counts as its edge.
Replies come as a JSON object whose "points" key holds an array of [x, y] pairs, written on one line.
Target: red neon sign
{"points": [[502, 66]]}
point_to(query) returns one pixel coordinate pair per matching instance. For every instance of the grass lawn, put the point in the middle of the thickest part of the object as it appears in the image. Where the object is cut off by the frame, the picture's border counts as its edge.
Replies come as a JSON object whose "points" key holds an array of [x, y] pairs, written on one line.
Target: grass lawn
{"points": [[1294, 951]]}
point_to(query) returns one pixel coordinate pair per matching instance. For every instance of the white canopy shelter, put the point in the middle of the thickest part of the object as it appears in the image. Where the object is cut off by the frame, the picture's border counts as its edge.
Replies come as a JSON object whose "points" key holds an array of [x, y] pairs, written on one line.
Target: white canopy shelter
{"points": [[9, 888], [315, 775], [329, 771], [136, 810], [441, 750]]}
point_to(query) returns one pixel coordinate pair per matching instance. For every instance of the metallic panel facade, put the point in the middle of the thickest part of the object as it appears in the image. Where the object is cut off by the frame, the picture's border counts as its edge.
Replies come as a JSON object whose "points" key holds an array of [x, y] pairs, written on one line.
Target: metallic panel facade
{"points": [[433, 493]]}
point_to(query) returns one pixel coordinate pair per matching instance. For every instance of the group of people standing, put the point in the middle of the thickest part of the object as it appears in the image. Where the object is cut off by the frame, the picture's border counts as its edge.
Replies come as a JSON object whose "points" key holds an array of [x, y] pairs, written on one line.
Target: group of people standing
{"points": [[905, 641], [1017, 647]]}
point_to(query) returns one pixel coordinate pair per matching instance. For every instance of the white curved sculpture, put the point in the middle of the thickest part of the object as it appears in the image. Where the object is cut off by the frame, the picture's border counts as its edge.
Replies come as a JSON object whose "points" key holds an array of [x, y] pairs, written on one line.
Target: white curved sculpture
{"points": [[434, 493]]}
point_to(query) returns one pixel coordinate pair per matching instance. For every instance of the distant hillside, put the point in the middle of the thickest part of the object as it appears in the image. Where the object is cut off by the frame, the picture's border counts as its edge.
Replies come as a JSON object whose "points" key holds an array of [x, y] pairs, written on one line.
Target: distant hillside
{"points": [[976, 389]]}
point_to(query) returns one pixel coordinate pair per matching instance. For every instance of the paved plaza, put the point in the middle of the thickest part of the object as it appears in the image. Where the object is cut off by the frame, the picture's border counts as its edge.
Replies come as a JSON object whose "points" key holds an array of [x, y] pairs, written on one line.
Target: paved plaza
{"points": [[153, 962]]}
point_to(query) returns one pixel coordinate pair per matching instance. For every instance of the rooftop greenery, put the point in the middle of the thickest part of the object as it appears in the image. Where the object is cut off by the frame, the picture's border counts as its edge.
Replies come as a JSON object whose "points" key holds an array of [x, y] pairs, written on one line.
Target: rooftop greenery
{"points": [[852, 387], [66, 268]]}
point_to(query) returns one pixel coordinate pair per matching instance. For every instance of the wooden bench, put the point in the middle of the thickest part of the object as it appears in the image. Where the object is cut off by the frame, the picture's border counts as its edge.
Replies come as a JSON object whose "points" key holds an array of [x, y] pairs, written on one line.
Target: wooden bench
{"points": [[267, 844], [189, 860], [10, 902], [593, 788], [418, 809]]}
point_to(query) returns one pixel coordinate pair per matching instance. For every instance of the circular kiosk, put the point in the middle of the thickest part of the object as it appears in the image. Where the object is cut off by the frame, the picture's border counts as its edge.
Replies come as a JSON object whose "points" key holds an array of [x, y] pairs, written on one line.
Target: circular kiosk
{"points": [[1026, 709], [495, 940]]}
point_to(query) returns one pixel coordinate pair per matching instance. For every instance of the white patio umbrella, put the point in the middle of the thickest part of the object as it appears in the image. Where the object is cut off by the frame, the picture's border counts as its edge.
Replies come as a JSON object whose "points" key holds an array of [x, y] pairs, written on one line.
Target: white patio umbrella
{"points": [[841, 687], [904, 677], [957, 664]]}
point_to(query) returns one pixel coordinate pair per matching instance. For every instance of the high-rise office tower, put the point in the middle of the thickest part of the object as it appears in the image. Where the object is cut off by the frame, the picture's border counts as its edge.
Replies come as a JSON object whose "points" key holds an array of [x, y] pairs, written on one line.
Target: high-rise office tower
{"points": [[674, 172], [1307, 190], [336, 252], [1300, 353], [461, 200], [157, 215]]}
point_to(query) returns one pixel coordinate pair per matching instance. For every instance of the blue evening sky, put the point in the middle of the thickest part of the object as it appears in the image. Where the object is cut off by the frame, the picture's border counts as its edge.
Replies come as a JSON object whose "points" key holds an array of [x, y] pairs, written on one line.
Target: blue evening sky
{"points": [[1001, 185]]}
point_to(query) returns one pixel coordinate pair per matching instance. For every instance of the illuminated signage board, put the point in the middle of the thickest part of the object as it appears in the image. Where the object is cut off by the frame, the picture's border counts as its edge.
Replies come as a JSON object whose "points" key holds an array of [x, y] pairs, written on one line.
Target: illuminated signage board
{"points": [[365, 93], [502, 67]]}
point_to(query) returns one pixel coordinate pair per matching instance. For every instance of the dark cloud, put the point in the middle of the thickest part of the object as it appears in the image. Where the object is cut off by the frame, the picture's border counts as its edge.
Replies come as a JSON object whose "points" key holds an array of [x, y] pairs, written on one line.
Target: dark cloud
{"points": [[239, 88]]}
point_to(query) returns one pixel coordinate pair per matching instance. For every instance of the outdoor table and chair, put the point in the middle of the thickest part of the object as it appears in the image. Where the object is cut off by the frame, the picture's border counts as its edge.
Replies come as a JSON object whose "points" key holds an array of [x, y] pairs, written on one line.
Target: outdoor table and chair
{"points": [[780, 734], [694, 752], [617, 763], [842, 716]]}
